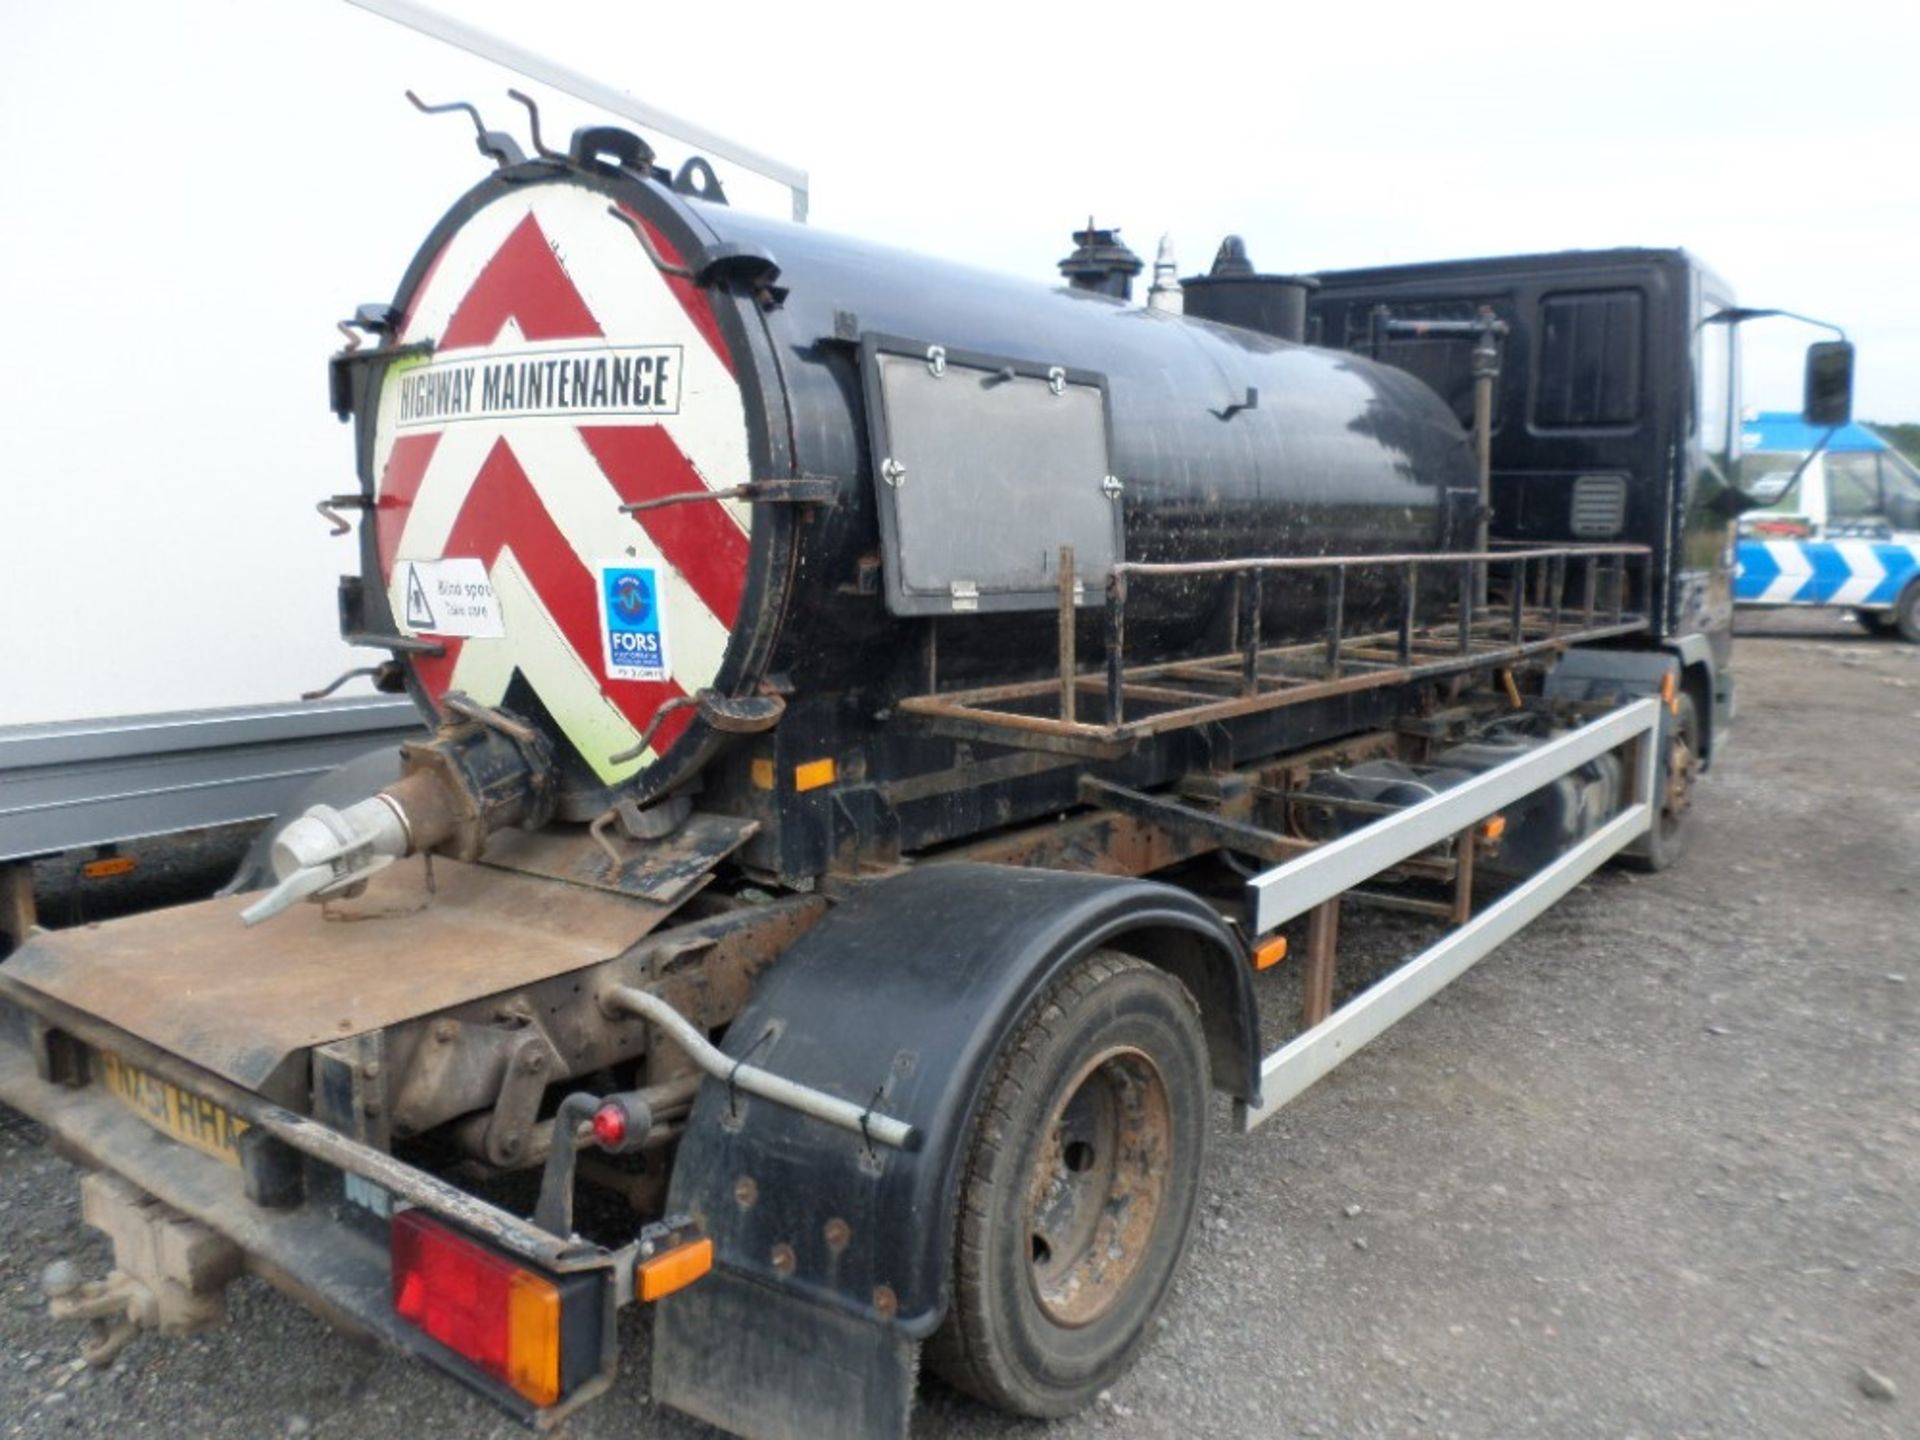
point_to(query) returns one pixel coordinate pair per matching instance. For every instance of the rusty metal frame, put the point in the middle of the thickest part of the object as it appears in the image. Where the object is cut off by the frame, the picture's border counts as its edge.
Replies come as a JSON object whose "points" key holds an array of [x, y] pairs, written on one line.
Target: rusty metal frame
{"points": [[1253, 677]]}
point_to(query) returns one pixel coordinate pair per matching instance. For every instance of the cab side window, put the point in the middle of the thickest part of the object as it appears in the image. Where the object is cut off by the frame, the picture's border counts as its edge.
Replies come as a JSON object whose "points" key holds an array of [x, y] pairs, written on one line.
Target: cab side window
{"points": [[1900, 492]]}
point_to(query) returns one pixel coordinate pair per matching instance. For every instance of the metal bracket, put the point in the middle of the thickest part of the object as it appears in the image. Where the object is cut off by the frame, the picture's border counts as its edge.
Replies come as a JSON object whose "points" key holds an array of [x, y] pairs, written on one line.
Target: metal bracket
{"points": [[496, 145], [350, 1089], [398, 644], [804, 490], [330, 507], [532, 1065]]}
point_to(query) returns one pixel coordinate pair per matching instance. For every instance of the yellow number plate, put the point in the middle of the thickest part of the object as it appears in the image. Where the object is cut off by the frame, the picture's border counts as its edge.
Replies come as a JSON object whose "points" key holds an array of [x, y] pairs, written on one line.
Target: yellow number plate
{"points": [[172, 1111]]}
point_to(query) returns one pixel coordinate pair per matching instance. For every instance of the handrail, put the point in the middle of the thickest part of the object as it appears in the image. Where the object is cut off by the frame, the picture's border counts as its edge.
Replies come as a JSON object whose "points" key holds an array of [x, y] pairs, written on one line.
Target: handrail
{"points": [[1316, 562]]}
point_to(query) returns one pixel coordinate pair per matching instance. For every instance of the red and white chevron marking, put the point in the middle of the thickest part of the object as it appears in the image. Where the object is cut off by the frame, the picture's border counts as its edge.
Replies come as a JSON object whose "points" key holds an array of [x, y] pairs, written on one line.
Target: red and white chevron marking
{"points": [[535, 498]]}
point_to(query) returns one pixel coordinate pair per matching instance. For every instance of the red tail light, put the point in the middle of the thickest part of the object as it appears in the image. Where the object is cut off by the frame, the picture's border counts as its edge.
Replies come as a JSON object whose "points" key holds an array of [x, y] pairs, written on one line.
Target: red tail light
{"points": [[504, 1319]]}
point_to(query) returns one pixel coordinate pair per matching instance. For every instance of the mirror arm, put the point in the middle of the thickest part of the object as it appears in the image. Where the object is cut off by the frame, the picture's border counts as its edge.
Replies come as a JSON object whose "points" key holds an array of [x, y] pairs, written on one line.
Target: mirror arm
{"points": [[1745, 500]]}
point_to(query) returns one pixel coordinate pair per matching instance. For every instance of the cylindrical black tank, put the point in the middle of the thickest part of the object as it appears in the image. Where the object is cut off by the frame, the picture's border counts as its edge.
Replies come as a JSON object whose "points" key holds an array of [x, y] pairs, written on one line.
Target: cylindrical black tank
{"points": [[595, 340]]}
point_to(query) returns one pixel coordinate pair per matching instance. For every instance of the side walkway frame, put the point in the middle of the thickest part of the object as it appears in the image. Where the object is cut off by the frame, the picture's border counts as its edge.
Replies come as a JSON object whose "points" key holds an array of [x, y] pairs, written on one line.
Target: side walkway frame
{"points": [[1314, 883]]}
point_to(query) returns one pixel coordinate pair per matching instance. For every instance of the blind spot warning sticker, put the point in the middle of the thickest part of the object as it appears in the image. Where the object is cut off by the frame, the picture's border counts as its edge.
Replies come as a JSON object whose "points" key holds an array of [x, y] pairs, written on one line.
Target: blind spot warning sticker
{"points": [[449, 597], [633, 620]]}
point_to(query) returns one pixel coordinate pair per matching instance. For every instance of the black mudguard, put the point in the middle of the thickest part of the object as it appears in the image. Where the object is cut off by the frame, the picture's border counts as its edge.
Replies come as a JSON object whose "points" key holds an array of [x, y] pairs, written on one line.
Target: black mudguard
{"points": [[832, 1254]]}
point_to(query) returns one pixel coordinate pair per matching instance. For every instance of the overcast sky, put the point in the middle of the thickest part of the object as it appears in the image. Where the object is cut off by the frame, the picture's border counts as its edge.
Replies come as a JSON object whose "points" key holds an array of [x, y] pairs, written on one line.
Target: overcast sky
{"points": [[197, 189]]}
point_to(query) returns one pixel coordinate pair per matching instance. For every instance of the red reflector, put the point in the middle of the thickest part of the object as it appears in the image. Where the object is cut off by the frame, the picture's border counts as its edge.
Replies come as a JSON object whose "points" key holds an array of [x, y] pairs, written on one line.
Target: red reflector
{"points": [[504, 1319], [610, 1126]]}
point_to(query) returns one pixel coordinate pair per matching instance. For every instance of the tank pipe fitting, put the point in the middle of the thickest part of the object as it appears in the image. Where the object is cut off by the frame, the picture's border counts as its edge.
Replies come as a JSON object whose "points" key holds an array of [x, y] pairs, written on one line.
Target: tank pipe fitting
{"points": [[470, 779], [327, 852], [738, 1074]]}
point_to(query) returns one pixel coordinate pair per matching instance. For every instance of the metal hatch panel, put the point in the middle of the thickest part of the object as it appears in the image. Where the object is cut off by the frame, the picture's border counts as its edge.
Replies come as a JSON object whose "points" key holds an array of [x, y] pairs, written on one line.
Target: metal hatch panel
{"points": [[984, 467], [242, 1002]]}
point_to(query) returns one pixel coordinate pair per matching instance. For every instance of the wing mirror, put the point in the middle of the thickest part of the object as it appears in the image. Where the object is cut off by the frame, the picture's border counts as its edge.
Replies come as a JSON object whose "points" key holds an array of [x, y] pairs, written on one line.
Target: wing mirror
{"points": [[1829, 385]]}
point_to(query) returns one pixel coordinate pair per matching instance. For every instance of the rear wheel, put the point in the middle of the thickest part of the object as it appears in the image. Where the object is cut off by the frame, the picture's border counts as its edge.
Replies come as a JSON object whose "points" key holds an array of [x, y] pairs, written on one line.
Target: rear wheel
{"points": [[1079, 1190]]}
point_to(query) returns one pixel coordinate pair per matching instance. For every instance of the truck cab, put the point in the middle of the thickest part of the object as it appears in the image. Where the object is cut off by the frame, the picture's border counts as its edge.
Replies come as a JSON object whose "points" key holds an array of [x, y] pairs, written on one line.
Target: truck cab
{"points": [[1612, 417], [1840, 526]]}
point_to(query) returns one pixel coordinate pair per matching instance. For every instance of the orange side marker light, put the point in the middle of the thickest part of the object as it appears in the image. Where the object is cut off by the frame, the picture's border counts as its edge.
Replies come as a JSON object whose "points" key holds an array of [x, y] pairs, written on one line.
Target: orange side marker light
{"points": [[1269, 953], [814, 774], [1492, 829], [673, 1269]]}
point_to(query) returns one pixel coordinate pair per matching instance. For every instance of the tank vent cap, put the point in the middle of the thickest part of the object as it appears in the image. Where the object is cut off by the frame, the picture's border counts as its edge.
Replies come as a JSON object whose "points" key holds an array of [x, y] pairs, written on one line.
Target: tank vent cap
{"points": [[1101, 262], [1230, 260]]}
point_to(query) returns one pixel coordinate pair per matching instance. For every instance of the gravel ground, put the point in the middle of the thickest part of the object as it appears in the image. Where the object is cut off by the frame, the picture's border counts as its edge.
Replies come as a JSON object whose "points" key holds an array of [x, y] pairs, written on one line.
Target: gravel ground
{"points": [[1648, 1171]]}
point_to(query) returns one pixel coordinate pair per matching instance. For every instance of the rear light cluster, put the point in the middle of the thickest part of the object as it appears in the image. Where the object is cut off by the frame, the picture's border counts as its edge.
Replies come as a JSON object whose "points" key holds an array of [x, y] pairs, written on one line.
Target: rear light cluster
{"points": [[535, 1333], [484, 1308]]}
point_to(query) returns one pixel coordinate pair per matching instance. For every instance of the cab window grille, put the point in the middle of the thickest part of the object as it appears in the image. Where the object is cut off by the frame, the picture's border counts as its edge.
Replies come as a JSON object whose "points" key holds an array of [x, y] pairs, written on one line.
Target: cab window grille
{"points": [[1591, 348]]}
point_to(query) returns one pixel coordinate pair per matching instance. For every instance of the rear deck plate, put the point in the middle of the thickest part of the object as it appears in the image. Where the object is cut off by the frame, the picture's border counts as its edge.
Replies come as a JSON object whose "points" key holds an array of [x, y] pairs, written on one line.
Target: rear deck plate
{"points": [[244, 1003]]}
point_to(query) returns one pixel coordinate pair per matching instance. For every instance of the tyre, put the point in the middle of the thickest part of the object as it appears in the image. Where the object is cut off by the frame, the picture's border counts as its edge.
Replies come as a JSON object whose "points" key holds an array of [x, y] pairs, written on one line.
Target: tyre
{"points": [[1079, 1189], [1906, 613], [1667, 841]]}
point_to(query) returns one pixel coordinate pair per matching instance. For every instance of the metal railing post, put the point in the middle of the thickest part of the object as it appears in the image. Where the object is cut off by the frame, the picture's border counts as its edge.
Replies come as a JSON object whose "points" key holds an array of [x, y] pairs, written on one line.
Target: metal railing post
{"points": [[1068, 622], [1336, 617], [1466, 607], [1250, 642], [1409, 590]]}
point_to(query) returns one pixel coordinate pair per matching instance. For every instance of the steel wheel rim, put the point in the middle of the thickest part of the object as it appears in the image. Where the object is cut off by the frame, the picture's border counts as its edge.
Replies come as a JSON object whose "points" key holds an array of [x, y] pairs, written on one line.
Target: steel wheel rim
{"points": [[1098, 1186], [1681, 770]]}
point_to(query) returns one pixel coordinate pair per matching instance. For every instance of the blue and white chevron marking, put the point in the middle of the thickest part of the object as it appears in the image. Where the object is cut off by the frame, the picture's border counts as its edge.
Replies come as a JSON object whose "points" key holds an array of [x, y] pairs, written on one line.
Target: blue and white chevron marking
{"points": [[1824, 572]]}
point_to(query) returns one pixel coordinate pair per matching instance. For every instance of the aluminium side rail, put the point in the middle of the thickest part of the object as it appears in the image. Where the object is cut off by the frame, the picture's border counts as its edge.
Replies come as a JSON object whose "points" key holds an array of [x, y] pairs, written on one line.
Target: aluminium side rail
{"points": [[1320, 877]]}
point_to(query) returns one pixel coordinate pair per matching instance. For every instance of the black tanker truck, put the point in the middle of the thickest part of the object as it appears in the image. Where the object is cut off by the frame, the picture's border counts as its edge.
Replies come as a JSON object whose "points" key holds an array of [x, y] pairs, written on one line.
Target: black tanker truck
{"points": [[904, 737]]}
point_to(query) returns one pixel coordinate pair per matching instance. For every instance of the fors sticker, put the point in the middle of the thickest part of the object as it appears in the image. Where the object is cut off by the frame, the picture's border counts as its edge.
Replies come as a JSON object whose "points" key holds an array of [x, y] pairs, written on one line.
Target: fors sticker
{"points": [[633, 623]]}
